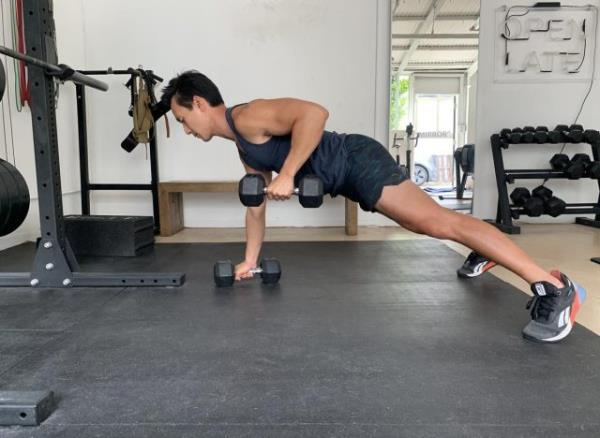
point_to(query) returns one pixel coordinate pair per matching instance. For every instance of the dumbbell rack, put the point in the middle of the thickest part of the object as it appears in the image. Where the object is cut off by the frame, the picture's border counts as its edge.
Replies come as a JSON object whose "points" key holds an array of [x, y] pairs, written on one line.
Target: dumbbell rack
{"points": [[506, 211]]}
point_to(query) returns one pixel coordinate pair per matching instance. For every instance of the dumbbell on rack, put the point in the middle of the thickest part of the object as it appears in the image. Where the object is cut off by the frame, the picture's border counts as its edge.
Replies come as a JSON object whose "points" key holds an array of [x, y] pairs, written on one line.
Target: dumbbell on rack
{"points": [[552, 205], [512, 136], [529, 134], [560, 162], [592, 168], [526, 134], [532, 206], [541, 135], [537, 202], [577, 167], [583, 159], [554, 137], [573, 168], [252, 189], [570, 134], [561, 128], [269, 271], [591, 136]]}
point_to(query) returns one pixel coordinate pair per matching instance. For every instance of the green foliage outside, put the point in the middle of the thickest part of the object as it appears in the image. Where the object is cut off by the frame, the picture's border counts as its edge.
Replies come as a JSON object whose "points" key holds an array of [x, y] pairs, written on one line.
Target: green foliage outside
{"points": [[398, 102]]}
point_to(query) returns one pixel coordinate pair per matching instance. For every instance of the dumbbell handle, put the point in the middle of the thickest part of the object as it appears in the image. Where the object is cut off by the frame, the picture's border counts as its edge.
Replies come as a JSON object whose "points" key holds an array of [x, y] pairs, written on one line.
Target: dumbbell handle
{"points": [[256, 271], [295, 192]]}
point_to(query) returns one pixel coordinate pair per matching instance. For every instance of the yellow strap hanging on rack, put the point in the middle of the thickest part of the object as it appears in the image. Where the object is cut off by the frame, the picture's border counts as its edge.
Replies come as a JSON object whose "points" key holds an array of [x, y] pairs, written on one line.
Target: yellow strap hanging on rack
{"points": [[142, 115]]}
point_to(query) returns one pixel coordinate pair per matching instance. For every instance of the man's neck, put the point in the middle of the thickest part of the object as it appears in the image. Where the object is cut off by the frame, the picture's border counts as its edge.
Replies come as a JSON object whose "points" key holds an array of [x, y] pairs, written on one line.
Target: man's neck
{"points": [[222, 128]]}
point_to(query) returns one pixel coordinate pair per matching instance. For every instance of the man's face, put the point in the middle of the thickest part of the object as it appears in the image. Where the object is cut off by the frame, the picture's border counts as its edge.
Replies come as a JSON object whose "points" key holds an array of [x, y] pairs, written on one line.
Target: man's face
{"points": [[196, 120]]}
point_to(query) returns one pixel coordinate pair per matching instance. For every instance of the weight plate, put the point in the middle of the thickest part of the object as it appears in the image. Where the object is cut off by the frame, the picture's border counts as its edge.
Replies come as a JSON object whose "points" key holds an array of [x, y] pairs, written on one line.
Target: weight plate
{"points": [[16, 198], [7, 188]]}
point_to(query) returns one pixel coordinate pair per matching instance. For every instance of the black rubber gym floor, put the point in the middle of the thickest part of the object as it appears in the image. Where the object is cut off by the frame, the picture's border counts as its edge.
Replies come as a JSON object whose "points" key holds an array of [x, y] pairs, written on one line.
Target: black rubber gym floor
{"points": [[359, 339]]}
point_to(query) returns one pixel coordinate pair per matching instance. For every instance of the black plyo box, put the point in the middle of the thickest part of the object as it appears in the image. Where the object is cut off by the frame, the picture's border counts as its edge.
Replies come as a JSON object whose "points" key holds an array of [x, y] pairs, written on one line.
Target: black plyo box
{"points": [[126, 236]]}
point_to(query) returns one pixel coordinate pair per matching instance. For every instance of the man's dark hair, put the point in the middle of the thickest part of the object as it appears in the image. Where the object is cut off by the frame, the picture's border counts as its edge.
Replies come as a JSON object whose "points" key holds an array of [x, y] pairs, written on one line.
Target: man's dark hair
{"points": [[189, 84]]}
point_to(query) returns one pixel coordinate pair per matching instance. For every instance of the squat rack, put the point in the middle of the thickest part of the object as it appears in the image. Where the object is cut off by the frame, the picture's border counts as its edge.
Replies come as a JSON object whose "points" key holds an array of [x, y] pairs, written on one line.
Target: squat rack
{"points": [[55, 265], [86, 186]]}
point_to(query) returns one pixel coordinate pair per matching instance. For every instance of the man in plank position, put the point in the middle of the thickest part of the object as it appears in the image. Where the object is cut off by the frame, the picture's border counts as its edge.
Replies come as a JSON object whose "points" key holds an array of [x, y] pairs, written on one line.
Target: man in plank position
{"points": [[287, 136]]}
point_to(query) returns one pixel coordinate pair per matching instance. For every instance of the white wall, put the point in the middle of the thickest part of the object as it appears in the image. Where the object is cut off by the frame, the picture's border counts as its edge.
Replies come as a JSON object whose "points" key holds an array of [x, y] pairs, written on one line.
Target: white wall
{"points": [[471, 108], [70, 48], [331, 52], [502, 105], [328, 52]]}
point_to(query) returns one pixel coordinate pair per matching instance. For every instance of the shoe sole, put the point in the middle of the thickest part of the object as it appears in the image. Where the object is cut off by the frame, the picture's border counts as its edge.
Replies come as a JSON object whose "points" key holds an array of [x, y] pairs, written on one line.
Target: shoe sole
{"points": [[580, 296], [477, 272]]}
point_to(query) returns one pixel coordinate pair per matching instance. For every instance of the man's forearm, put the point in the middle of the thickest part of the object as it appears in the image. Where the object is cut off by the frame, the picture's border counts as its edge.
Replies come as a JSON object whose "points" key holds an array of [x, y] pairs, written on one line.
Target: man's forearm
{"points": [[255, 233]]}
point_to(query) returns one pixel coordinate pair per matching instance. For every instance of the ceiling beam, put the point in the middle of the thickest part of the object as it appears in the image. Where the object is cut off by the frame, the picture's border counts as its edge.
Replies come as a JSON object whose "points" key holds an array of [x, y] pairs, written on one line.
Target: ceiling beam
{"points": [[395, 8], [444, 48], [461, 62], [437, 64], [465, 17], [435, 36], [435, 70], [424, 26]]}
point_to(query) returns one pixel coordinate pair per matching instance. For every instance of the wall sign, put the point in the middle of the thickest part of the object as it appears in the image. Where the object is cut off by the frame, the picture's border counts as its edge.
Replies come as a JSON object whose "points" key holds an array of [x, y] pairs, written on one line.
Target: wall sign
{"points": [[545, 43]]}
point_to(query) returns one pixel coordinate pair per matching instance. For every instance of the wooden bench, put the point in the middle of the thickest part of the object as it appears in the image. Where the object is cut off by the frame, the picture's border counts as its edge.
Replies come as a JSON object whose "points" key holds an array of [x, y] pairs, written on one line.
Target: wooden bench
{"points": [[170, 196]]}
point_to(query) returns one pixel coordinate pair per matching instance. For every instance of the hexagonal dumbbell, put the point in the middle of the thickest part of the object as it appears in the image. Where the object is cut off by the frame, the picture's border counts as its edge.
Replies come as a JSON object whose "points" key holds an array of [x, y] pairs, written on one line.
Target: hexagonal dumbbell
{"points": [[593, 170], [576, 127], [575, 136], [591, 136], [520, 195], [574, 168], [269, 271], [532, 205], [560, 162], [252, 190], [541, 137], [554, 137], [583, 158], [570, 134], [516, 135], [552, 205], [528, 136]]}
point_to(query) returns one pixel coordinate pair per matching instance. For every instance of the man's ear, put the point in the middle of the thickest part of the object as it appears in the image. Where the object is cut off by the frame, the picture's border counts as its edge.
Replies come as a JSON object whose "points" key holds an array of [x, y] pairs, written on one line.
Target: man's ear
{"points": [[199, 102]]}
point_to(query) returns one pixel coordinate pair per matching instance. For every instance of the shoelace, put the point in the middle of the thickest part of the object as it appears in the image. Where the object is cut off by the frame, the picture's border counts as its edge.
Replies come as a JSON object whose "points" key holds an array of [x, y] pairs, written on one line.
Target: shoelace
{"points": [[474, 258], [541, 307]]}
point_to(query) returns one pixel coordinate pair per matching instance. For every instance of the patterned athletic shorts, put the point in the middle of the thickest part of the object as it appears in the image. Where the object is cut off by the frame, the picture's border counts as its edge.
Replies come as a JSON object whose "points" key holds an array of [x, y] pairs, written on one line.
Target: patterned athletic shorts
{"points": [[370, 169]]}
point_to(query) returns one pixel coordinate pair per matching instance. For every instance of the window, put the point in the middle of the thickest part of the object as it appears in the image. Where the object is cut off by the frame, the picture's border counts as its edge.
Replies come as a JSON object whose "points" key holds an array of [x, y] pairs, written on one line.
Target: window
{"points": [[399, 102], [435, 119]]}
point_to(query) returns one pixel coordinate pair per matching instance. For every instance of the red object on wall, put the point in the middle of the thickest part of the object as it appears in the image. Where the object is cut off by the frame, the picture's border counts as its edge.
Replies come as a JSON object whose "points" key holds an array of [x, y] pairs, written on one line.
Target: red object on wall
{"points": [[24, 89]]}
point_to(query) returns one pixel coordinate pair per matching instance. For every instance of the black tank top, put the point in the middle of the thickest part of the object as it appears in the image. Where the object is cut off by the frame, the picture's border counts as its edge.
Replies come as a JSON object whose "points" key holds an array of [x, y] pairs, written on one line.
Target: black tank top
{"points": [[328, 160]]}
